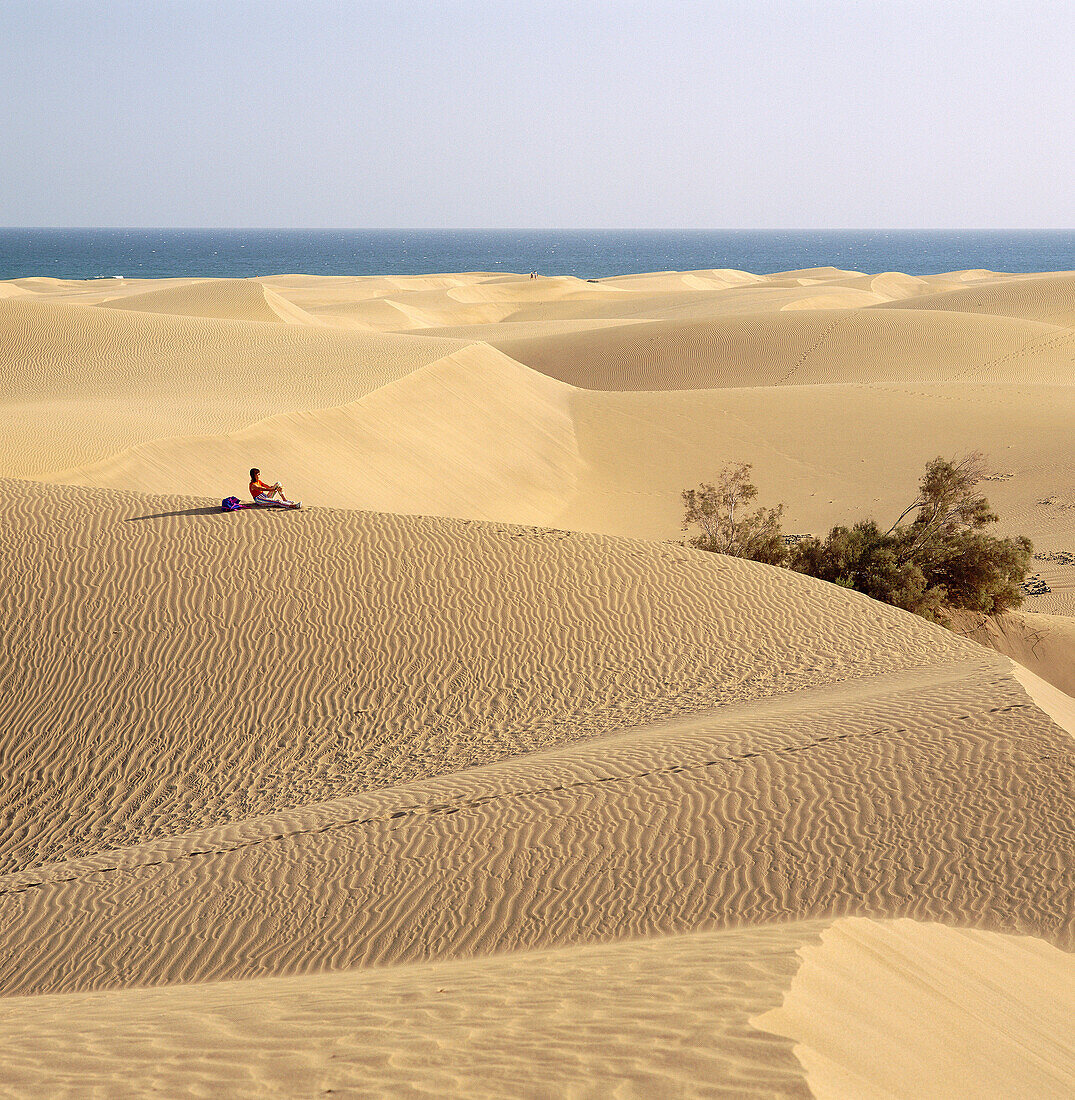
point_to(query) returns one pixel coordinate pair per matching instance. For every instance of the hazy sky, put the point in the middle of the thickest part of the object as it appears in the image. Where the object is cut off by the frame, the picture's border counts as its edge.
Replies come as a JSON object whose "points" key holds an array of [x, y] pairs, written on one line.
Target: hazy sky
{"points": [[716, 114]]}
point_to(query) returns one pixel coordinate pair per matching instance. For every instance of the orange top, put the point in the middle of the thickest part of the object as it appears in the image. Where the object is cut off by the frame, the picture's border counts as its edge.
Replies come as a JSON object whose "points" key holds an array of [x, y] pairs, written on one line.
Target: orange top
{"points": [[259, 486]]}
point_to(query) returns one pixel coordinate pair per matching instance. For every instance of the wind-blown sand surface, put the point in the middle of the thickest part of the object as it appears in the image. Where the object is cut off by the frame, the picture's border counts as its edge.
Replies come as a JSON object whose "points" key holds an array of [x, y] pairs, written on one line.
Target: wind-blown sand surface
{"points": [[467, 779]]}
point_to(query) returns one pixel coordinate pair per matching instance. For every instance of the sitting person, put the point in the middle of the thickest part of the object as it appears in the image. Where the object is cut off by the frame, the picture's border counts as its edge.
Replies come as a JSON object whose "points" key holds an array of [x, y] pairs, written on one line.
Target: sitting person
{"points": [[271, 496]]}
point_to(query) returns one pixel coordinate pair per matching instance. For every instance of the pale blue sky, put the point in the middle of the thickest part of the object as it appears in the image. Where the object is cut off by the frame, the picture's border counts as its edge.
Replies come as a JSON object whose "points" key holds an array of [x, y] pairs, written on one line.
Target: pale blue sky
{"points": [[724, 114]]}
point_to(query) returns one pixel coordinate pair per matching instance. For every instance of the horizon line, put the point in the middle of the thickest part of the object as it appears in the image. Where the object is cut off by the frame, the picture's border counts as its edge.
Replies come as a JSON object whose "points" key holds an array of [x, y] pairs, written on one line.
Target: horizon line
{"points": [[551, 229]]}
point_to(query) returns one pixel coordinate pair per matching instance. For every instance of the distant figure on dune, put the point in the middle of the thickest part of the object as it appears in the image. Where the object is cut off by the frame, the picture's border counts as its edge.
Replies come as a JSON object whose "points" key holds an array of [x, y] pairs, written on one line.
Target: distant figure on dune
{"points": [[268, 496]]}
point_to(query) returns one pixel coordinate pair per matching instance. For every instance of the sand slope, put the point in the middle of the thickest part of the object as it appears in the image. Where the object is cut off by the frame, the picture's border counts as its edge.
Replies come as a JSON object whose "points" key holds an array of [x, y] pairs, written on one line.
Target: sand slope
{"points": [[110, 396], [803, 347], [473, 435], [942, 795], [1043, 643], [80, 383], [651, 1018], [984, 1014], [330, 652], [916, 777], [477, 435], [236, 299], [1049, 298], [1057, 704], [557, 1021]]}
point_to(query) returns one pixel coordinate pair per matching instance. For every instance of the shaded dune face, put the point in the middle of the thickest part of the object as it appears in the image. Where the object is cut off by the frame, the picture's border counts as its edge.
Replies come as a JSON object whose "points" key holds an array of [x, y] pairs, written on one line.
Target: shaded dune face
{"points": [[444, 785]]}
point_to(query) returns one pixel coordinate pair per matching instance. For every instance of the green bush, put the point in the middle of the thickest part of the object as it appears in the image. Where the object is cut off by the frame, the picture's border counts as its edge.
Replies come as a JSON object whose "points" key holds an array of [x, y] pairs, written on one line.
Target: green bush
{"points": [[726, 528], [935, 557], [862, 558]]}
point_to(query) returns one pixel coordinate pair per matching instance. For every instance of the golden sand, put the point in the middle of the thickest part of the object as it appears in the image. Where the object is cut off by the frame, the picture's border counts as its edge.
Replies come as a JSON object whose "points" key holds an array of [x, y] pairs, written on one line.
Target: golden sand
{"points": [[466, 779]]}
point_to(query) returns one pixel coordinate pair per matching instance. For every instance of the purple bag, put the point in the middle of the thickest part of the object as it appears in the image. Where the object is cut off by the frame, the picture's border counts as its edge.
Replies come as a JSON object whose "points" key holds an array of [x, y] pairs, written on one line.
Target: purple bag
{"points": [[230, 504]]}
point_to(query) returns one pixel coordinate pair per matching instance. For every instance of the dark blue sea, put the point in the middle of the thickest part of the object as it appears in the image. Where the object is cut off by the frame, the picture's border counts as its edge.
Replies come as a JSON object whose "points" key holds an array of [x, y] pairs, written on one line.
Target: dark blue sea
{"points": [[159, 253]]}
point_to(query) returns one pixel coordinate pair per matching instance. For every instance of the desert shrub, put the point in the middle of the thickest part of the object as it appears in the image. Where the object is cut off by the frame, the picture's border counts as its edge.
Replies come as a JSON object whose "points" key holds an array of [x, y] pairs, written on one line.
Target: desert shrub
{"points": [[935, 557], [865, 559], [726, 527], [983, 573]]}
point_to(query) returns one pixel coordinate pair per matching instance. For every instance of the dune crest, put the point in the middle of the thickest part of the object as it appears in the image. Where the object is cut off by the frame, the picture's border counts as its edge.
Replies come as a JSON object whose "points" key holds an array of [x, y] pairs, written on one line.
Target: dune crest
{"points": [[507, 1025], [1044, 644], [428, 645], [1049, 298]]}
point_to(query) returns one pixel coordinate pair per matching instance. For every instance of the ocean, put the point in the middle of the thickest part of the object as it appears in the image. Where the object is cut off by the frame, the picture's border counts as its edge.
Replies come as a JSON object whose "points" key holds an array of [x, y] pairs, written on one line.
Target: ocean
{"points": [[592, 254]]}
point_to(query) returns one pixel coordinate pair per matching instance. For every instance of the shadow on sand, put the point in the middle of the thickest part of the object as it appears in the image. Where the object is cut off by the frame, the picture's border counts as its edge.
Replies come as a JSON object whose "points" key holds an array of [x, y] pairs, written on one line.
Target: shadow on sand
{"points": [[186, 512]]}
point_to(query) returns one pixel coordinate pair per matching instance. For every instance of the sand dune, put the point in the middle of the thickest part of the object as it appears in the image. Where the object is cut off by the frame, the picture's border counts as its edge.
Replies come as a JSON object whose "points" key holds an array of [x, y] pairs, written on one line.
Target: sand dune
{"points": [[829, 452], [476, 435], [859, 728], [895, 285], [1047, 298], [384, 636], [417, 302], [90, 397], [236, 299], [1045, 644], [113, 399], [80, 383], [663, 281], [442, 785], [1057, 704], [539, 1023], [516, 1024], [933, 794], [512, 1024], [804, 347], [512, 290], [499, 436]]}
